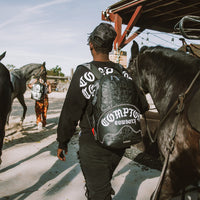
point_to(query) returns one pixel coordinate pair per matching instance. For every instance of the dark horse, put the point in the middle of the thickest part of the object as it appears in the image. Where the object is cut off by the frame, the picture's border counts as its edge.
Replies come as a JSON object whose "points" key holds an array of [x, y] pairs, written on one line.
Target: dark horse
{"points": [[19, 77], [5, 100], [172, 79]]}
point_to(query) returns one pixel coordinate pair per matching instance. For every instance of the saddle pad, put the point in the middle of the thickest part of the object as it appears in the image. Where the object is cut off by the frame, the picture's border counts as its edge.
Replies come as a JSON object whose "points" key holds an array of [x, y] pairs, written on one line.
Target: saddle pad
{"points": [[194, 111]]}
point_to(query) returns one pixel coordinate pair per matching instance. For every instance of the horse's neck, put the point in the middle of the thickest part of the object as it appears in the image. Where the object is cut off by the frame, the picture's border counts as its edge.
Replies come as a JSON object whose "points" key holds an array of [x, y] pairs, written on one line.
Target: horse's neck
{"points": [[27, 72], [161, 92]]}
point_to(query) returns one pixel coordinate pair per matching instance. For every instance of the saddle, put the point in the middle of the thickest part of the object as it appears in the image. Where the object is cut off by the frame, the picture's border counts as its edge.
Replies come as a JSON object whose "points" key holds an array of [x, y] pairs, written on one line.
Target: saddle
{"points": [[193, 112]]}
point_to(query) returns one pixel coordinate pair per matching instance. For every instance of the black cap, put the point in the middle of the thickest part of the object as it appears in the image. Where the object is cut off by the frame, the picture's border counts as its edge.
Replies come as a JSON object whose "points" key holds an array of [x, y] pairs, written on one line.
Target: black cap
{"points": [[103, 35]]}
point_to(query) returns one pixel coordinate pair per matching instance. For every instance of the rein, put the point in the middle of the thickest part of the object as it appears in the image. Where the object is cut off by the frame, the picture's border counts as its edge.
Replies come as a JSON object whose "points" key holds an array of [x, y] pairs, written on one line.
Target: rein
{"points": [[180, 107]]}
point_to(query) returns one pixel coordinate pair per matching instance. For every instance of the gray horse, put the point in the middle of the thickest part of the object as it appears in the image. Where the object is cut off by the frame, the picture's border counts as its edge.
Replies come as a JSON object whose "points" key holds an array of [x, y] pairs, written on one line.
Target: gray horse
{"points": [[19, 77]]}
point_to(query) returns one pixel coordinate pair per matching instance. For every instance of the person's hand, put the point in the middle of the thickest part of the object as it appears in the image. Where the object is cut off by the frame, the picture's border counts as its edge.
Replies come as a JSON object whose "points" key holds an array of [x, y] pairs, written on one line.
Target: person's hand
{"points": [[61, 155]]}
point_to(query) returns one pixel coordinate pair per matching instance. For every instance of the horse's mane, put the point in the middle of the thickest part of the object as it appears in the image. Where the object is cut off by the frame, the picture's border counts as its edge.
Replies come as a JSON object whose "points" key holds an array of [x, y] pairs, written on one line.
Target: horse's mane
{"points": [[172, 58], [31, 65]]}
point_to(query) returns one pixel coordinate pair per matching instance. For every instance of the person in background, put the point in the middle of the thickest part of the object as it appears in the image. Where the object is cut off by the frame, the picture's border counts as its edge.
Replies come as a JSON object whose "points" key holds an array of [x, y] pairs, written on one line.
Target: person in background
{"points": [[41, 106]]}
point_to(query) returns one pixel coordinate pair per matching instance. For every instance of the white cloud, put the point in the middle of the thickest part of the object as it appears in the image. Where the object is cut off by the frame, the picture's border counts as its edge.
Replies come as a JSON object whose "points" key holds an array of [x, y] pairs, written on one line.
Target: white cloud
{"points": [[44, 5], [30, 11]]}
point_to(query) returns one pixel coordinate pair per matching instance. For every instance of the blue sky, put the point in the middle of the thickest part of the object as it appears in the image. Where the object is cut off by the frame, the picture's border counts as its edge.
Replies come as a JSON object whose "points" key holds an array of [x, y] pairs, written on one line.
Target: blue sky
{"points": [[56, 31]]}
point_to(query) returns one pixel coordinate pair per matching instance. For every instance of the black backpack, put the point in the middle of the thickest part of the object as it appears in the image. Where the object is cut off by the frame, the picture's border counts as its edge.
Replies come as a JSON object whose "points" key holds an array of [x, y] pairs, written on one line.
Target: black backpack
{"points": [[116, 117], [37, 91]]}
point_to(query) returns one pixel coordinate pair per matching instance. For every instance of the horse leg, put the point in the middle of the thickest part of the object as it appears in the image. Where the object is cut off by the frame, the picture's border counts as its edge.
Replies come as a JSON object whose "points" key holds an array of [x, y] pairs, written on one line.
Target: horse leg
{"points": [[2, 135], [198, 197], [183, 194], [2, 130], [8, 115], [22, 102], [10, 110]]}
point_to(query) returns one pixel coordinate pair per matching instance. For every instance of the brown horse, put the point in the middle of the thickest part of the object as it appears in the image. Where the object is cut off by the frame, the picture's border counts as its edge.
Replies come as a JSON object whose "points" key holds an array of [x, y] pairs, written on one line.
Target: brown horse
{"points": [[172, 78]]}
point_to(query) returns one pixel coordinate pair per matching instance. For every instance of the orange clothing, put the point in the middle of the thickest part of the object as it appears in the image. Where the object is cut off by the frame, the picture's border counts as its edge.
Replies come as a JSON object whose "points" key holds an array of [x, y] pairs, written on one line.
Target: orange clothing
{"points": [[41, 108]]}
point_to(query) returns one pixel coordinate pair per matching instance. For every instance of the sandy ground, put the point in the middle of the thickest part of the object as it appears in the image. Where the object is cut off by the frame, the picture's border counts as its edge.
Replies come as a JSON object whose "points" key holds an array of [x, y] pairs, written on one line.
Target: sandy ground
{"points": [[31, 171]]}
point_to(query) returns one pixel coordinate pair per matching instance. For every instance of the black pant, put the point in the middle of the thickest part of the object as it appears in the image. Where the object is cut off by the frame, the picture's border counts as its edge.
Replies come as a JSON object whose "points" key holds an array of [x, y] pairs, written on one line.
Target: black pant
{"points": [[98, 165]]}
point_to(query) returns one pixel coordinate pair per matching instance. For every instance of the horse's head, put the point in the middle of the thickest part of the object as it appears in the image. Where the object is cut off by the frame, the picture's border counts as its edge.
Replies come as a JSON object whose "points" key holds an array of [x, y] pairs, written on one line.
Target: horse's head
{"points": [[133, 66], [41, 72]]}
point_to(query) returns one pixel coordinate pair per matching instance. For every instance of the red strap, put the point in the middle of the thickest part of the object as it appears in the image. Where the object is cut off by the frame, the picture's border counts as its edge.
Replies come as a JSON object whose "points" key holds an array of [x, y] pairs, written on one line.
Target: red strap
{"points": [[93, 131]]}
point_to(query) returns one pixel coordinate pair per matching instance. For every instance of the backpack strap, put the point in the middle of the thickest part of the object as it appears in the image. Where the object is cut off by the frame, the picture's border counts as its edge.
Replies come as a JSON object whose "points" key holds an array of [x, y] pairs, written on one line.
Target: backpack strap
{"points": [[119, 68], [93, 69]]}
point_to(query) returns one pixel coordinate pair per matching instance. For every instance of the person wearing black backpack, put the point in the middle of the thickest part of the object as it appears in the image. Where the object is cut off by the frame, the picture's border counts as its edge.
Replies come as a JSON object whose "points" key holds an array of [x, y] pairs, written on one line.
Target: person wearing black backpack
{"points": [[97, 161]]}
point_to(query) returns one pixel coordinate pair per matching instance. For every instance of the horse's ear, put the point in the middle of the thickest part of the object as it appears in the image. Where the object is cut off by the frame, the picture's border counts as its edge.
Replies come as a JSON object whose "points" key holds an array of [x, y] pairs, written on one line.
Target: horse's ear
{"points": [[2, 55], [134, 49]]}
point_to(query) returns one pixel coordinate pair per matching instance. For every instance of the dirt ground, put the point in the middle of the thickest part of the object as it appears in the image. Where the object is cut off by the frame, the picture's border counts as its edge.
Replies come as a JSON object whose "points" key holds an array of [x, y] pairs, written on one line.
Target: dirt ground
{"points": [[30, 169]]}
